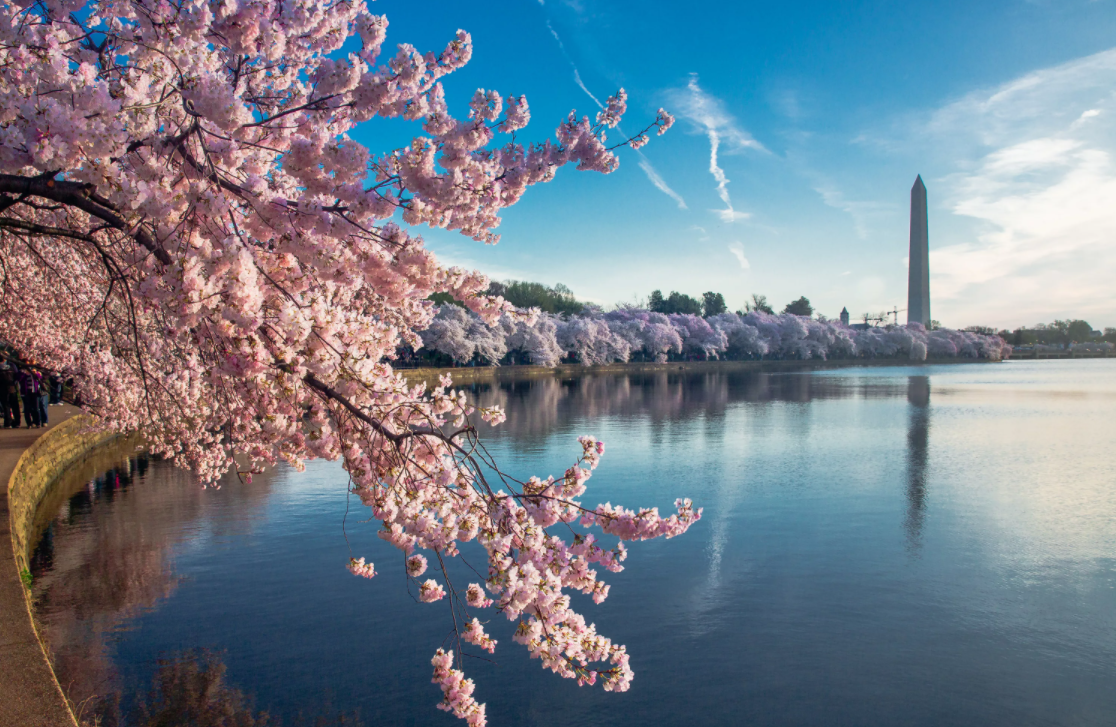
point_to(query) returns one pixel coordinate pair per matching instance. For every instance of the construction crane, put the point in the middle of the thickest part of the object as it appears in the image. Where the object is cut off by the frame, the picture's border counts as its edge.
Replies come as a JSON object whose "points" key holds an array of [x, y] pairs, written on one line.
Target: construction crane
{"points": [[875, 320], [895, 312]]}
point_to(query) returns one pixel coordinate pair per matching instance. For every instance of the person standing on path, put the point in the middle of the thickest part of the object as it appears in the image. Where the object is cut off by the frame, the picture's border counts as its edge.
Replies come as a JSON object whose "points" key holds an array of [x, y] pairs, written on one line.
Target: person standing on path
{"points": [[9, 395], [29, 384], [44, 401]]}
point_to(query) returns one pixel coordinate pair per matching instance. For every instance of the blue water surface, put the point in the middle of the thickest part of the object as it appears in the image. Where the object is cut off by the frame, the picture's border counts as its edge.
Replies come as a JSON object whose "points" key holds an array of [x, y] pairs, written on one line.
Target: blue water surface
{"points": [[930, 545]]}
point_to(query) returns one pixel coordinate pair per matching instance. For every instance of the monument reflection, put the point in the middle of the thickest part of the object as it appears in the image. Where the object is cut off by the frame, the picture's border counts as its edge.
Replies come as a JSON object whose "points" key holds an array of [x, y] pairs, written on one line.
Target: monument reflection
{"points": [[817, 589], [918, 444]]}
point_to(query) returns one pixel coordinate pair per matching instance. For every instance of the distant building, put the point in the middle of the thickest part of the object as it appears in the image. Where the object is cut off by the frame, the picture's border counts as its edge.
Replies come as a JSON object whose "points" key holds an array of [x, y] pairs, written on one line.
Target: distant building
{"points": [[844, 316]]}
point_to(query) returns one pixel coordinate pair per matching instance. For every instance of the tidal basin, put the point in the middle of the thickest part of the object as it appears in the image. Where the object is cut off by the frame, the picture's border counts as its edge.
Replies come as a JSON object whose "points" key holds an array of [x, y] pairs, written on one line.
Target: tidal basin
{"points": [[929, 545]]}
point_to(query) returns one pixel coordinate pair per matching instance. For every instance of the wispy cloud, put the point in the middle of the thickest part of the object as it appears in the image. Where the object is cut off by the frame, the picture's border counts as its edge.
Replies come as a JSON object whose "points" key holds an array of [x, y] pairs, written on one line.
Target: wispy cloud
{"points": [[737, 249], [583, 87], [709, 114], [662, 186], [1040, 186], [862, 212], [787, 102], [644, 163], [573, 66]]}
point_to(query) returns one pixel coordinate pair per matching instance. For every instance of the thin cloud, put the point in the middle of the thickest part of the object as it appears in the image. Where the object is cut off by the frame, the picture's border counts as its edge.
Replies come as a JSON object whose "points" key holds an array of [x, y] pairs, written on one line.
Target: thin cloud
{"points": [[662, 186], [737, 249], [1039, 186], [861, 212], [731, 215], [644, 163], [709, 114], [583, 87]]}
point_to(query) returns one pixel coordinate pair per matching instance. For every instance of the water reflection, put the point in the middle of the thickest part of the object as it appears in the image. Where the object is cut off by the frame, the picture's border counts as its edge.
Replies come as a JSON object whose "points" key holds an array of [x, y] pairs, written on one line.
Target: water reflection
{"points": [[847, 570], [107, 557], [537, 406], [190, 690], [918, 445]]}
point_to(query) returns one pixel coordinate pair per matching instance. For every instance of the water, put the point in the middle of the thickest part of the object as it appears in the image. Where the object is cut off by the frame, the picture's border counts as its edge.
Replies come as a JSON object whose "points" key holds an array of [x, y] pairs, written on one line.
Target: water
{"points": [[880, 546]]}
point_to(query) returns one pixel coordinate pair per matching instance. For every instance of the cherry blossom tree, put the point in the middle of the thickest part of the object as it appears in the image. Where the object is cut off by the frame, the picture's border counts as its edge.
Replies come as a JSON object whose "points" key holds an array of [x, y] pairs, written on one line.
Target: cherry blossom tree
{"points": [[448, 333], [460, 334], [188, 230], [698, 336], [595, 338], [743, 340], [537, 339], [646, 331], [592, 341]]}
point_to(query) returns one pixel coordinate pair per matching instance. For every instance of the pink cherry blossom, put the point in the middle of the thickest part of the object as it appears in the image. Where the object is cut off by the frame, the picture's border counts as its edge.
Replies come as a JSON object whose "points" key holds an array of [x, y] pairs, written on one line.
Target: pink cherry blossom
{"points": [[416, 566], [358, 567], [431, 591], [190, 231]]}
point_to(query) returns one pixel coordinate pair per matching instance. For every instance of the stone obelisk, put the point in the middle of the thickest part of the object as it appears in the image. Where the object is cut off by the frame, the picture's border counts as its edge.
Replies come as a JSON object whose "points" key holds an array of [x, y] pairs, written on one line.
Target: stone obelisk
{"points": [[918, 280]]}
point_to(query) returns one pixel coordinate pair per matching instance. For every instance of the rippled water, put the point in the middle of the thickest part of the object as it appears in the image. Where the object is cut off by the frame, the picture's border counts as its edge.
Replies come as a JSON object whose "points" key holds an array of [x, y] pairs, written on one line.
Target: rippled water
{"points": [[886, 546]]}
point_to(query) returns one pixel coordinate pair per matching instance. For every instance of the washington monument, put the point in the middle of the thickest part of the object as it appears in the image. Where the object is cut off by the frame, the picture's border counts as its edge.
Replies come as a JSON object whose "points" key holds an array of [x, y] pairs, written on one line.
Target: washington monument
{"points": [[918, 280]]}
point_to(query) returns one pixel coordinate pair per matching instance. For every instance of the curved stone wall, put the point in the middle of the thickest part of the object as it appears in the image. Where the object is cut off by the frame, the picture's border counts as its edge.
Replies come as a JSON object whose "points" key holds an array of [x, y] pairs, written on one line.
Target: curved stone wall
{"points": [[40, 465], [30, 693]]}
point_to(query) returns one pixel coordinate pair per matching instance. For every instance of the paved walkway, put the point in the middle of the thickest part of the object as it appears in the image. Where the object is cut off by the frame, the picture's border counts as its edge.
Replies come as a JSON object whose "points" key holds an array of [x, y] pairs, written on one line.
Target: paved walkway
{"points": [[29, 696]]}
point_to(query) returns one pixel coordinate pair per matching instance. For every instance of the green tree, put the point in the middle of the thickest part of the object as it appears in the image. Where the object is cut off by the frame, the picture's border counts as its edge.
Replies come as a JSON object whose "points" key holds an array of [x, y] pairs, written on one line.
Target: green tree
{"points": [[655, 303], [523, 294], [446, 298], [800, 307], [682, 303], [758, 303], [1079, 331], [713, 304]]}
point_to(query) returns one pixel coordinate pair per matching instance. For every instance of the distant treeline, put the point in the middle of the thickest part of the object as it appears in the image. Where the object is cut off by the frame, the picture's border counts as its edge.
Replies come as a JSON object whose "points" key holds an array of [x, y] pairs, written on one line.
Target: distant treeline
{"points": [[457, 336], [560, 299], [1058, 333]]}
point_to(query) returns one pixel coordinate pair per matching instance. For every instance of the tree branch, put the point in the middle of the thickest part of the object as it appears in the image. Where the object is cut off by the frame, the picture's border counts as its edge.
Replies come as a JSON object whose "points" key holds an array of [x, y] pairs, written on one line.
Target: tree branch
{"points": [[85, 198]]}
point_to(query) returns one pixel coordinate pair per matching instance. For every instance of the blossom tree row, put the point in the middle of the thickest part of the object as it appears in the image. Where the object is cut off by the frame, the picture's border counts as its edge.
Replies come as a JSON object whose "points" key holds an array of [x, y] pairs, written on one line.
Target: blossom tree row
{"points": [[189, 231], [628, 334]]}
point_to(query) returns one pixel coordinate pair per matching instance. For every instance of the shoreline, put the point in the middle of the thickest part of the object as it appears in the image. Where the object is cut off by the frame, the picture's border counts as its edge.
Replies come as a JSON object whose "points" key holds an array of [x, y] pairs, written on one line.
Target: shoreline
{"points": [[483, 374], [31, 463]]}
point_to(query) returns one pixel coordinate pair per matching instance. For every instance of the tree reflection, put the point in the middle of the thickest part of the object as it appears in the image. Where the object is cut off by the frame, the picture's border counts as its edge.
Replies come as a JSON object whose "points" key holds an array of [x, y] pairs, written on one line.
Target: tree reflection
{"points": [[190, 690], [98, 566], [537, 406], [918, 442]]}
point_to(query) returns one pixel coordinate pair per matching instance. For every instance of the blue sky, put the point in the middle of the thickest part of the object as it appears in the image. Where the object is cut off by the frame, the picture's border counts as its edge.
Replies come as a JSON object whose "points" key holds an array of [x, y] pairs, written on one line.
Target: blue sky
{"points": [[823, 113]]}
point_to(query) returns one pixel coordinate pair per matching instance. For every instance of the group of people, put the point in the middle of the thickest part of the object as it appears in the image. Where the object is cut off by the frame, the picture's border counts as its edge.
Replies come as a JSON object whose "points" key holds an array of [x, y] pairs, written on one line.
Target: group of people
{"points": [[29, 386]]}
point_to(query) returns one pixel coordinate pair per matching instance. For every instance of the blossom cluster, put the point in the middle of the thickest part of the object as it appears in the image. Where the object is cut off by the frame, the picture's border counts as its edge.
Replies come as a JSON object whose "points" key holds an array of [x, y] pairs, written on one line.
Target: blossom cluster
{"points": [[530, 568], [457, 691], [191, 233], [628, 333], [358, 567]]}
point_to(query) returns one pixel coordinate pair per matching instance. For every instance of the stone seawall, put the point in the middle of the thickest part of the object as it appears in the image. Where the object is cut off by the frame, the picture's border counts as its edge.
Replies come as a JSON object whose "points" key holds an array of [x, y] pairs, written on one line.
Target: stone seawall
{"points": [[478, 374], [63, 447], [32, 463]]}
